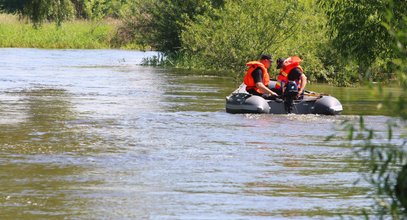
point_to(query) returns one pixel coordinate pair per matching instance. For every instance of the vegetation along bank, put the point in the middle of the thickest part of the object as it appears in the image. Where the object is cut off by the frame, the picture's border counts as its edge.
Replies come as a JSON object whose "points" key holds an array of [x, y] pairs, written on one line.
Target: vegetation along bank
{"points": [[340, 43]]}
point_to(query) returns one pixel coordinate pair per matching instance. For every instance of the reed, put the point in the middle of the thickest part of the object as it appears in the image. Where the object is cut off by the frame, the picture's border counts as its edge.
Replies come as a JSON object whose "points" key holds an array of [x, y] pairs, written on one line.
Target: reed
{"points": [[80, 34]]}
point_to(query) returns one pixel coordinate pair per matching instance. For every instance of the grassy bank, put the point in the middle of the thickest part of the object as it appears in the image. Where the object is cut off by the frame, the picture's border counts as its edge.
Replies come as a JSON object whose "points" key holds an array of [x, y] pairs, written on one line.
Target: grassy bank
{"points": [[79, 34]]}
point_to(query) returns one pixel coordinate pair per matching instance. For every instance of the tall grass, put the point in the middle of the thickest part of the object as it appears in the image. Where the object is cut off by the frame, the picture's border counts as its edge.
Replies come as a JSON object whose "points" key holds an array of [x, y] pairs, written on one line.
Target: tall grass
{"points": [[81, 34]]}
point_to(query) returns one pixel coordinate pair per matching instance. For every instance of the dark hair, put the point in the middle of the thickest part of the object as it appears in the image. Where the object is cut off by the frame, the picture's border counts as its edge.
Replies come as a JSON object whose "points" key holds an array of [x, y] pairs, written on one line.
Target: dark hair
{"points": [[266, 57], [280, 62]]}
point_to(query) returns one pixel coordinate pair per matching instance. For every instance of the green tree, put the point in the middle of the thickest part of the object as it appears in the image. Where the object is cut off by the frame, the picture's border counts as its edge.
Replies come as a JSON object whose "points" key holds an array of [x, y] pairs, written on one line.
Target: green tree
{"points": [[51, 10], [387, 162], [39, 11], [229, 37], [239, 32], [98, 9], [159, 23], [80, 8], [358, 34]]}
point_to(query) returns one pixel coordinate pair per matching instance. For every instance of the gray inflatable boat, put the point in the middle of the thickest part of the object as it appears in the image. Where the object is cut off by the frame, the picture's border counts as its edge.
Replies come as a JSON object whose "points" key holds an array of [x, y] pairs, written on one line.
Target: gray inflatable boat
{"points": [[310, 103]]}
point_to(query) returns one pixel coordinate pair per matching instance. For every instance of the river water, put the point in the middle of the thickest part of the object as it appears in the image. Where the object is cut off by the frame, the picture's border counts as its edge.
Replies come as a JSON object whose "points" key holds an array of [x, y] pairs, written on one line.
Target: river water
{"points": [[91, 134]]}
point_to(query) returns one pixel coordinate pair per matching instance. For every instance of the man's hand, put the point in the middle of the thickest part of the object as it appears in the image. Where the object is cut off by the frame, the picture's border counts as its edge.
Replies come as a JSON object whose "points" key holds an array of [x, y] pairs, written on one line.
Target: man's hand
{"points": [[299, 94], [273, 93]]}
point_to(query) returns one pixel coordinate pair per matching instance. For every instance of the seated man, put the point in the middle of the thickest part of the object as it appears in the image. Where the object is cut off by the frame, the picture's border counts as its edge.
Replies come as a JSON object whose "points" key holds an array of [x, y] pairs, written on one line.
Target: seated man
{"points": [[290, 70], [257, 77]]}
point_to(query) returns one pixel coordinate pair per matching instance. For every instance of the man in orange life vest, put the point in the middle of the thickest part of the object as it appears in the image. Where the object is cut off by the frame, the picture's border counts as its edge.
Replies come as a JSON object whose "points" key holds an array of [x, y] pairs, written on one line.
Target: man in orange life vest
{"points": [[290, 70], [257, 77]]}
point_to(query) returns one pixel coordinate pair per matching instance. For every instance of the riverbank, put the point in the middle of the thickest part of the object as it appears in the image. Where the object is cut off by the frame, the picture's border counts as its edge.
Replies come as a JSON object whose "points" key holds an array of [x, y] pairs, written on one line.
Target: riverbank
{"points": [[79, 34]]}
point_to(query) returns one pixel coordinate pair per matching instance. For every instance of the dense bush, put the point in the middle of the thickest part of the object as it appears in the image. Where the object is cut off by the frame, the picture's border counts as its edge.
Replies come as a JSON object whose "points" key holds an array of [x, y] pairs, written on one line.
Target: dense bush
{"points": [[159, 23], [242, 30], [98, 9], [359, 36]]}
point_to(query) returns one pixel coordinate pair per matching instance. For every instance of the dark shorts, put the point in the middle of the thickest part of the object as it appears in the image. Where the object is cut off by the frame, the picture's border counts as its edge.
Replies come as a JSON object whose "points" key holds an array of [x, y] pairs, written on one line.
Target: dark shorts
{"points": [[295, 74]]}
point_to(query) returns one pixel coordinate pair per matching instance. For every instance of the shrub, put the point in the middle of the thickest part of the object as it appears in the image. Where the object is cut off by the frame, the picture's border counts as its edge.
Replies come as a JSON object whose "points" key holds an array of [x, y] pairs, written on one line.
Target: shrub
{"points": [[159, 23], [242, 30]]}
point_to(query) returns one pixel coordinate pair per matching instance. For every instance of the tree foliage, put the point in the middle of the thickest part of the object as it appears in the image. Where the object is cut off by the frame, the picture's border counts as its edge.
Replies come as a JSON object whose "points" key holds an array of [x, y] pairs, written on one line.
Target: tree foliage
{"points": [[387, 162], [98, 9], [55, 10], [159, 23], [229, 37], [239, 32], [358, 33], [39, 11], [387, 168]]}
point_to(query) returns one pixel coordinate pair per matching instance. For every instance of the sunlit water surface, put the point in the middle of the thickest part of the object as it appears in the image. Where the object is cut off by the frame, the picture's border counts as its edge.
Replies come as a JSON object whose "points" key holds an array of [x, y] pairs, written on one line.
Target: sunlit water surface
{"points": [[92, 134]]}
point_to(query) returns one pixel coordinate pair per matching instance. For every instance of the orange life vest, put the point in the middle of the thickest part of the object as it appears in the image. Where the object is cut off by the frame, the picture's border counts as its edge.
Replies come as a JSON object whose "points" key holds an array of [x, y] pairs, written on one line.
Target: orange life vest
{"points": [[249, 80], [288, 64]]}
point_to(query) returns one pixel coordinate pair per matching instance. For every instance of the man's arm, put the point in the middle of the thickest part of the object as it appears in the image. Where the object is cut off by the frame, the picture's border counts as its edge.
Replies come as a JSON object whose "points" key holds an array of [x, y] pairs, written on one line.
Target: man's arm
{"points": [[264, 89], [303, 83], [257, 76]]}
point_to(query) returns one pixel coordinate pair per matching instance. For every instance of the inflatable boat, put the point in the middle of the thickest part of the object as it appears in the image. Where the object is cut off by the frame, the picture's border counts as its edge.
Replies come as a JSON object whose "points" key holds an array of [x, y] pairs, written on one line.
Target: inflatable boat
{"points": [[241, 101]]}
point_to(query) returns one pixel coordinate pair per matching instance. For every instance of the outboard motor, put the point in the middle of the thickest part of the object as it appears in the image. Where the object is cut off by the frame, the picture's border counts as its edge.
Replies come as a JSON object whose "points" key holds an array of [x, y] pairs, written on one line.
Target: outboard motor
{"points": [[290, 94]]}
